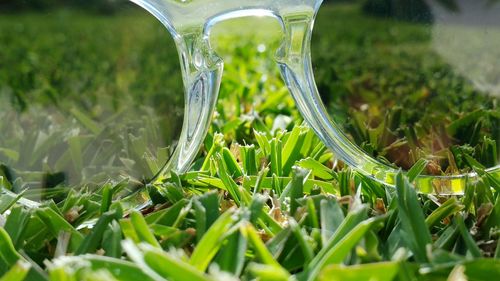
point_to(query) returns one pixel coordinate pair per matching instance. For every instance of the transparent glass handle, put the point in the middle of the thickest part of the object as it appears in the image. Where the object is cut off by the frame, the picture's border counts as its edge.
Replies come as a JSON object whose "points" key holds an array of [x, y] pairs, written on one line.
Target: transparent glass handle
{"points": [[294, 59], [202, 73]]}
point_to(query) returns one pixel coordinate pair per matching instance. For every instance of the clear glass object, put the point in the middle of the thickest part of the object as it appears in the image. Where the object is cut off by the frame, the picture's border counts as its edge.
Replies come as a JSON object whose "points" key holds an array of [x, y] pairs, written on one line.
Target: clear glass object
{"points": [[464, 34]]}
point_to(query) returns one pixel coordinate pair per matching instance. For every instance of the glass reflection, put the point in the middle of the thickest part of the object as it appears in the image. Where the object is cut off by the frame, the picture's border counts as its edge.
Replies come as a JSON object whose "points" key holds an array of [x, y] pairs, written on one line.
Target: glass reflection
{"points": [[85, 98]]}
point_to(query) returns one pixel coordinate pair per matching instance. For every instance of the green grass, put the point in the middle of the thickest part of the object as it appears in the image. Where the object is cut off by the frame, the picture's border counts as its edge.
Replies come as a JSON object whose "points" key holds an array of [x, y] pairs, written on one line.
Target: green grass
{"points": [[402, 89], [110, 75], [264, 200]]}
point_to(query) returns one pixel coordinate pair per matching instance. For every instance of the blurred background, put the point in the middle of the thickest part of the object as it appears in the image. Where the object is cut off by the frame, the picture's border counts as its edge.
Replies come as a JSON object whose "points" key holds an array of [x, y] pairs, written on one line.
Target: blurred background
{"points": [[415, 10], [101, 6]]}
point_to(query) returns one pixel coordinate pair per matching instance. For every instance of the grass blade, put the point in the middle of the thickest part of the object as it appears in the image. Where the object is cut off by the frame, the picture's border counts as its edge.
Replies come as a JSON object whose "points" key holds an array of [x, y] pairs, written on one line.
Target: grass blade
{"points": [[18, 272], [384, 271], [331, 218], [160, 266], [417, 169], [211, 242], [339, 251], [8, 254], [91, 242], [469, 241], [448, 208], [55, 223], [231, 257], [142, 229], [16, 224], [261, 250], [412, 219]]}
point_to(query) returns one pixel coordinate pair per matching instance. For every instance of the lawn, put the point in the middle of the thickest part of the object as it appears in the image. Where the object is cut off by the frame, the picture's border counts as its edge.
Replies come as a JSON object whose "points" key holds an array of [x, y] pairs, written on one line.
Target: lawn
{"points": [[401, 89], [265, 199]]}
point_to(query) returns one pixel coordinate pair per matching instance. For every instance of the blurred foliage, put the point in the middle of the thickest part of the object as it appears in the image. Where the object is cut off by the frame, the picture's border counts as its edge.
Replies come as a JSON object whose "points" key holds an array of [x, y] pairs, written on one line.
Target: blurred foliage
{"points": [[397, 97], [102, 77], [100, 6], [411, 10]]}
